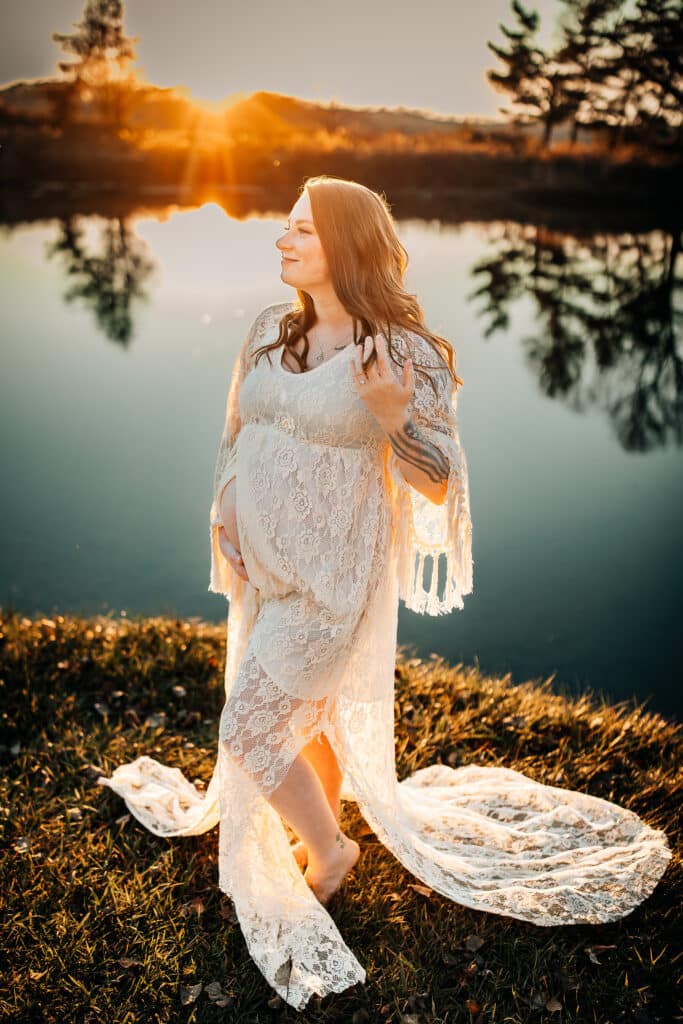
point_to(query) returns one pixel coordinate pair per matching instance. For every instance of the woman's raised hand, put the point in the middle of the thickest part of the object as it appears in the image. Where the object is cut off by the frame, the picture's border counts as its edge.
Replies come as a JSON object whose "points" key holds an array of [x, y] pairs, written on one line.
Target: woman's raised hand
{"points": [[228, 537], [384, 394]]}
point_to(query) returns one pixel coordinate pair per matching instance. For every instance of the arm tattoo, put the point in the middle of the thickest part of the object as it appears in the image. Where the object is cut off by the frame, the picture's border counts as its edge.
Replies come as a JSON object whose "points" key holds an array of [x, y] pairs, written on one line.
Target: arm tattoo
{"points": [[411, 444]]}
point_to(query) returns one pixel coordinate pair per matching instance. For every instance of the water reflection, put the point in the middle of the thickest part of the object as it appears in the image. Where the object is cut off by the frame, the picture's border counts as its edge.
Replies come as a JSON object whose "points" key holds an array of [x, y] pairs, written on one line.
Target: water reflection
{"points": [[108, 276], [608, 324], [577, 545]]}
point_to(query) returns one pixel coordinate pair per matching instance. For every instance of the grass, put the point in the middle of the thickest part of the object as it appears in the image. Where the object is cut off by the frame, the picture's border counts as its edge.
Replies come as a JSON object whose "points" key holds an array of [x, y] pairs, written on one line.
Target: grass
{"points": [[104, 921]]}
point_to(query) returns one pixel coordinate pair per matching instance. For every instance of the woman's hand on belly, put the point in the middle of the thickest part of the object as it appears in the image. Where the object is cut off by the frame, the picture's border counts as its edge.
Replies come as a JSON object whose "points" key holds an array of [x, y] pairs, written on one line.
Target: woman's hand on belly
{"points": [[228, 537]]}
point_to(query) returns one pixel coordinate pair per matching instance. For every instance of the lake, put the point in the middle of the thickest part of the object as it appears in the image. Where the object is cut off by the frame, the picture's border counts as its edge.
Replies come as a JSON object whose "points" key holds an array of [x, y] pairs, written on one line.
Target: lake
{"points": [[118, 342]]}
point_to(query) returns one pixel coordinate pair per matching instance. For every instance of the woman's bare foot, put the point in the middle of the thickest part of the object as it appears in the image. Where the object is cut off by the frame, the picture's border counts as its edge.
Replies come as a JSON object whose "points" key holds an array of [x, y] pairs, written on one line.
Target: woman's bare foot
{"points": [[326, 877], [300, 854]]}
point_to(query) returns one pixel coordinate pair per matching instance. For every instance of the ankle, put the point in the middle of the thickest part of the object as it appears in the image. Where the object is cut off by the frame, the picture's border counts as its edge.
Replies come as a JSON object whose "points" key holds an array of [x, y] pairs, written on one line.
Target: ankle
{"points": [[333, 850]]}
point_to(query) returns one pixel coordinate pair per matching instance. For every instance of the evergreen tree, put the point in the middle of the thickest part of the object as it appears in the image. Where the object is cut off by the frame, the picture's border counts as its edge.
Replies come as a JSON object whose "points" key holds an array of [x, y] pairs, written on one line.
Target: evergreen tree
{"points": [[98, 43], [587, 58], [654, 54], [101, 52], [619, 65], [535, 81], [523, 60]]}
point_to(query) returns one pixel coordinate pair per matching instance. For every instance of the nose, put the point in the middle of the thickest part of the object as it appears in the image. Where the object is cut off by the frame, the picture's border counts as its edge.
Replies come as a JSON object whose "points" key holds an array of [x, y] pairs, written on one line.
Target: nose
{"points": [[282, 242]]}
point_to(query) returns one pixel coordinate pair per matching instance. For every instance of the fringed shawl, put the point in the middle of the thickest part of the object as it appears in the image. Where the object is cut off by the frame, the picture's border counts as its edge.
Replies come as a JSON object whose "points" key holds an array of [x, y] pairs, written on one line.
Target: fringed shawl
{"points": [[422, 529], [426, 530]]}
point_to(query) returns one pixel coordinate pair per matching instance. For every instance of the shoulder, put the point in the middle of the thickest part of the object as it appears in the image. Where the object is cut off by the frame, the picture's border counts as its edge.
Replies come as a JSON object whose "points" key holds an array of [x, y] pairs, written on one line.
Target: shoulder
{"points": [[434, 385], [264, 321], [274, 311], [412, 345]]}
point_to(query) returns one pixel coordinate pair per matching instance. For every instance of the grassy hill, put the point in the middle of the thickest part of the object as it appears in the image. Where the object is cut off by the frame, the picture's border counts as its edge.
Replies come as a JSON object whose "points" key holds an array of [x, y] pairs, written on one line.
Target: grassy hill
{"points": [[105, 921]]}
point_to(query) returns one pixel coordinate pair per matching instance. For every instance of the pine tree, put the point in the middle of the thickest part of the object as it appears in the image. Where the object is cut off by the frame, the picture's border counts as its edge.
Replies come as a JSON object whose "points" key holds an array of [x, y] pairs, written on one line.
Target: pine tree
{"points": [[534, 79], [654, 55], [101, 52], [619, 65], [98, 44], [587, 59], [627, 65]]}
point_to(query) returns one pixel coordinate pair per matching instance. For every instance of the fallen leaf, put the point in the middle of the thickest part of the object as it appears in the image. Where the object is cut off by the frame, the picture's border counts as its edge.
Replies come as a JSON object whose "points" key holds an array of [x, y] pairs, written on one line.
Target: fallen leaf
{"points": [[216, 994], [422, 889], [553, 1005], [284, 971], [189, 995], [473, 943]]}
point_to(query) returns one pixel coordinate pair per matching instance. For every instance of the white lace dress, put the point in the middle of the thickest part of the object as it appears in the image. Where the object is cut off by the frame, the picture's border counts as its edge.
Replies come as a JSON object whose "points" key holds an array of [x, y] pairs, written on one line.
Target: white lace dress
{"points": [[332, 536]]}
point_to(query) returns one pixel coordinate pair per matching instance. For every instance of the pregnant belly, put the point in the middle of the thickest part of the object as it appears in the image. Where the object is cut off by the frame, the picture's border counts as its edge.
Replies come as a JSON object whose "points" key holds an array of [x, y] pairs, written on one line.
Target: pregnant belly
{"points": [[308, 520], [227, 512]]}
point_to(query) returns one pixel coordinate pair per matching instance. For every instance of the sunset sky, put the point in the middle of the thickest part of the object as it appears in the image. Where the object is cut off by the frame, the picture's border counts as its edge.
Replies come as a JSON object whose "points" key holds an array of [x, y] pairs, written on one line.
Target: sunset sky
{"points": [[430, 55]]}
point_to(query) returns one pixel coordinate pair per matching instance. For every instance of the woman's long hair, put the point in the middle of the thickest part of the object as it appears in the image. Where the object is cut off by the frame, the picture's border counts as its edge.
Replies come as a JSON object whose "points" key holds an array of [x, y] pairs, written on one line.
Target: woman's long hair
{"points": [[367, 263]]}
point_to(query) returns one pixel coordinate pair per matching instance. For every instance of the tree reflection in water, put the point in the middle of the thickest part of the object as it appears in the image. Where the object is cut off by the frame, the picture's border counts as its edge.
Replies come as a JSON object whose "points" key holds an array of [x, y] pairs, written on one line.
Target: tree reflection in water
{"points": [[110, 280], [607, 308], [610, 300]]}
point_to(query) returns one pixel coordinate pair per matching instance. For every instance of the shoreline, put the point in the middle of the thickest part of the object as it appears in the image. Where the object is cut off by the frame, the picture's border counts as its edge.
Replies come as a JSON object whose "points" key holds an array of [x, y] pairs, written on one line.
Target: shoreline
{"points": [[83, 880]]}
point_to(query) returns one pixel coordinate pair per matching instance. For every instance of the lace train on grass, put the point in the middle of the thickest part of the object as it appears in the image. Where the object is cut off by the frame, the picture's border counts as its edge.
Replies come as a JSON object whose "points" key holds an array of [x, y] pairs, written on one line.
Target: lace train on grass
{"points": [[332, 537]]}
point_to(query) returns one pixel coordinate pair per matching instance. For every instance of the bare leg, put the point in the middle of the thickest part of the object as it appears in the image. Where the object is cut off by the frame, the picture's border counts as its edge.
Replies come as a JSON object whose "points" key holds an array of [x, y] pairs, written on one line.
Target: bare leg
{"points": [[321, 755], [302, 801]]}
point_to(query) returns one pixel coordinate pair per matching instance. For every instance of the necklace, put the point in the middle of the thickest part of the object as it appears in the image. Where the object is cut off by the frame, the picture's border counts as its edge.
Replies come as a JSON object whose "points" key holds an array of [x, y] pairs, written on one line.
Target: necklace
{"points": [[321, 357]]}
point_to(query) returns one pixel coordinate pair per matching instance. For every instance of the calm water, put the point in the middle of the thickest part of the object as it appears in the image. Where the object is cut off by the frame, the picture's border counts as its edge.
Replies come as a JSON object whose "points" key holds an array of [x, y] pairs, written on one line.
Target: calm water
{"points": [[112, 404]]}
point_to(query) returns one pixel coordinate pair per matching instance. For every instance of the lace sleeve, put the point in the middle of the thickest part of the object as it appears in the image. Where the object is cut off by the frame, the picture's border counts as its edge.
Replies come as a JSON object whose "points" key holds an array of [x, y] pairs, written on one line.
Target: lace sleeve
{"points": [[424, 528], [223, 577]]}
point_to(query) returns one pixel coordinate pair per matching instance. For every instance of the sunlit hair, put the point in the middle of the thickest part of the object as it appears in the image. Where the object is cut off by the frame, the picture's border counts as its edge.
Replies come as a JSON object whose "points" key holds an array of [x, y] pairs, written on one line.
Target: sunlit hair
{"points": [[367, 263]]}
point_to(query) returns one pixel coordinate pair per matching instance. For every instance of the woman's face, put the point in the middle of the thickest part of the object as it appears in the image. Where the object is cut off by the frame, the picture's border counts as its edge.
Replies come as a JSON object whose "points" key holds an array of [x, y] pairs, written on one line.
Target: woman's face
{"points": [[303, 263]]}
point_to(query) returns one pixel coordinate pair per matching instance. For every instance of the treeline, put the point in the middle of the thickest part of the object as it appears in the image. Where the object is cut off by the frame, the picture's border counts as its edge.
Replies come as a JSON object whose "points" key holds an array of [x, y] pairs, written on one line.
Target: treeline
{"points": [[613, 78], [99, 52], [618, 65]]}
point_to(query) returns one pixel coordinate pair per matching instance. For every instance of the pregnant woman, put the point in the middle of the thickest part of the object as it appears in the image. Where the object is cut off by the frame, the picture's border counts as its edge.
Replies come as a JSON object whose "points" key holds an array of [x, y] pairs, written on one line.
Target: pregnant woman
{"points": [[340, 479]]}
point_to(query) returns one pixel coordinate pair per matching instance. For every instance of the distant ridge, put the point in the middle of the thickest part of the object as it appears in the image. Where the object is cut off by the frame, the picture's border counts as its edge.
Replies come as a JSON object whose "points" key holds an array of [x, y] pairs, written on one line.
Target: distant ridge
{"points": [[272, 116]]}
